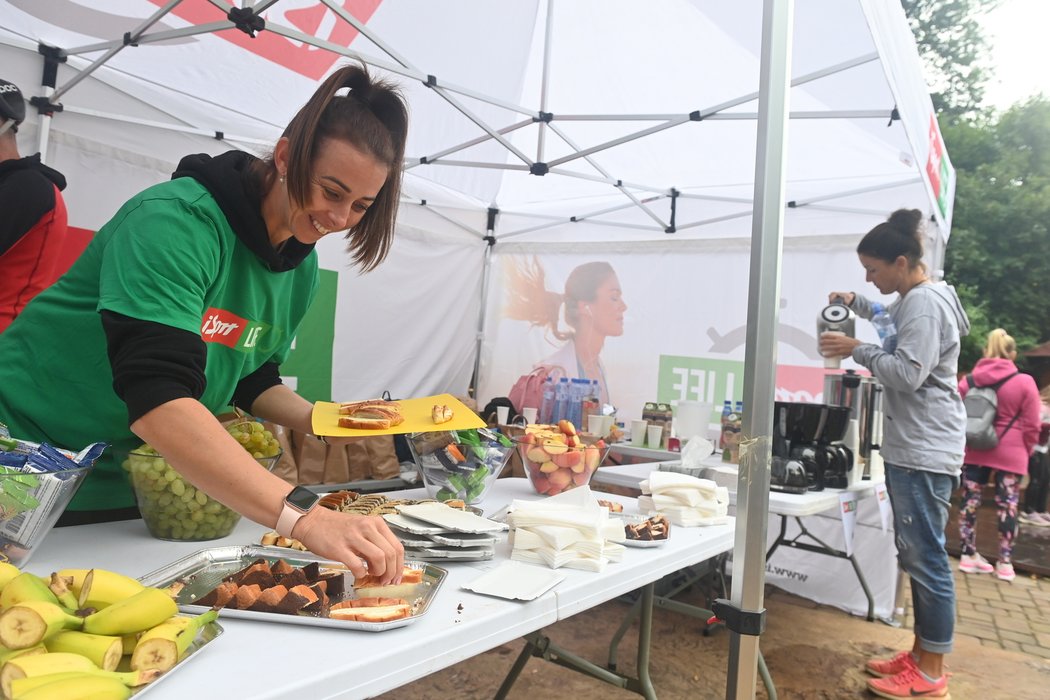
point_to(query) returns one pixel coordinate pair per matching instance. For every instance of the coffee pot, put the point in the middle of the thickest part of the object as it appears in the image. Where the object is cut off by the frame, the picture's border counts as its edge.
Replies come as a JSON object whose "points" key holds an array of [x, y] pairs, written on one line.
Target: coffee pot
{"points": [[836, 317], [863, 395]]}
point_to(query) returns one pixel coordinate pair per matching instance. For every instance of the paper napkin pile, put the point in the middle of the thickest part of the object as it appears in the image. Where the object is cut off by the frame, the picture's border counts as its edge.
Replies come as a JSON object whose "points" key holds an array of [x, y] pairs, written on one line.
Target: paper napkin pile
{"points": [[569, 530], [685, 500]]}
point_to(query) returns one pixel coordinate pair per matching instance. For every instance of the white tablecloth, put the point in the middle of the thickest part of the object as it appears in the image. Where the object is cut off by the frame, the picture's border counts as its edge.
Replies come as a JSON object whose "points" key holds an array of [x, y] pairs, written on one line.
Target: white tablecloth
{"points": [[268, 660]]}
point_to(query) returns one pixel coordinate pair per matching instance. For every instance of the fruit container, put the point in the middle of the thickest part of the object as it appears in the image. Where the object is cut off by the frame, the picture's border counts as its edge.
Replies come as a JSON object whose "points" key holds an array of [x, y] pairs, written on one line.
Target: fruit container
{"points": [[30, 504], [172, 508], [461, 465], [557, 459]]}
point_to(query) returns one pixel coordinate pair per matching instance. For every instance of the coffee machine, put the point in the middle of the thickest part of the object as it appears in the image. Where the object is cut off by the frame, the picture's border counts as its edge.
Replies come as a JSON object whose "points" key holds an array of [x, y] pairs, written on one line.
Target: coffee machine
{"points": [[863, 396], [810, 435]]}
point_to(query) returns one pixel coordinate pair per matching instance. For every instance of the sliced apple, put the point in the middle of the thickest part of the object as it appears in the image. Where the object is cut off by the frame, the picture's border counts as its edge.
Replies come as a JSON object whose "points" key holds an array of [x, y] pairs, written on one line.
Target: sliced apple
{"points": [[560, 479], [550, 467], [581, 478], [566, 427], [592, 455], [569, 460], [555, 447]]}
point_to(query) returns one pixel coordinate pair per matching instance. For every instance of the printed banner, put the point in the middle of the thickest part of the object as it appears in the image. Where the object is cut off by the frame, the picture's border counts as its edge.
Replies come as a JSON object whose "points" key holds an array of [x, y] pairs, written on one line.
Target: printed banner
{"points": [[882, 496], [848, 508]]}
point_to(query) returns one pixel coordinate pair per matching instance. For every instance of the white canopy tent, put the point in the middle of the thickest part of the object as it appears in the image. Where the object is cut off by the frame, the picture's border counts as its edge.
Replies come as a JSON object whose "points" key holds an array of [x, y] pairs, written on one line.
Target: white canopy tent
{"points": [[559, 128]]}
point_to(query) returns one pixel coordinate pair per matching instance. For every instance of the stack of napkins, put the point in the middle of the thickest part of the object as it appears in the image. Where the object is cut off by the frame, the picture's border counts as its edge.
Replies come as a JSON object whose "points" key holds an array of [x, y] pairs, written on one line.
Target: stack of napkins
{"points": [[685, 500], [569, 530]]}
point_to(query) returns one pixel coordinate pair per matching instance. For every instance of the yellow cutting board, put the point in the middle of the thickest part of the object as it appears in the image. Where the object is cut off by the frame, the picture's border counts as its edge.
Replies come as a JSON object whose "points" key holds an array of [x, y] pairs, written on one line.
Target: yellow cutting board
{"points": [[417, 414]]}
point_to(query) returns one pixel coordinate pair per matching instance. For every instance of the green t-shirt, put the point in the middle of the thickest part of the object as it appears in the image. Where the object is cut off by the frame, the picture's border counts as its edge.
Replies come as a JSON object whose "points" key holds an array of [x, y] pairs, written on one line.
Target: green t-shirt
{"points": [[168, 256]]}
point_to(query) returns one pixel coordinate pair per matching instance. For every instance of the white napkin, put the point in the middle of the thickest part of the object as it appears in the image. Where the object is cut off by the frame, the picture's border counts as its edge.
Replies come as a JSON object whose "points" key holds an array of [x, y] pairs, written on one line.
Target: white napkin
{"points": [[660, 481]]}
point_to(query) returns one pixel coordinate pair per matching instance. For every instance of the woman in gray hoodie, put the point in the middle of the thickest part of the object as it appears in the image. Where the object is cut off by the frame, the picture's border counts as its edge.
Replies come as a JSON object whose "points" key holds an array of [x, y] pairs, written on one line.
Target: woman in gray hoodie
{"points": [[924, 435]]}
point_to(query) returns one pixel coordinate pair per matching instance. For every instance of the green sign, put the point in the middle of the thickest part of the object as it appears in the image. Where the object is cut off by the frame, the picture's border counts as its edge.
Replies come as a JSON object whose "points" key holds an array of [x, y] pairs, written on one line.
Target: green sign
{"points": [[684, 378]]}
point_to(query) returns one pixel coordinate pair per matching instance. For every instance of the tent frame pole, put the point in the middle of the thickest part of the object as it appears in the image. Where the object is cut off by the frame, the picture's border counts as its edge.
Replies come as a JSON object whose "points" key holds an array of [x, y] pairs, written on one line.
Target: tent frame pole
{"points": [[749, 556]]}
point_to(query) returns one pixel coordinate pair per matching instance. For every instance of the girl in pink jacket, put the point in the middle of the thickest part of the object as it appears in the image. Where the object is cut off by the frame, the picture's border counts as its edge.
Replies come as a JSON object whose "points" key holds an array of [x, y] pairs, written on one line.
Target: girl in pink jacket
{"points": [[1017, 424]]}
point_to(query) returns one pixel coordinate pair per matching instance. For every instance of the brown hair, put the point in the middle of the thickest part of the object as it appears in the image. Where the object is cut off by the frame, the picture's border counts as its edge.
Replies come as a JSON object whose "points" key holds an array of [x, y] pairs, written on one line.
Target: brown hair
{"points": [[900, 235], [373, 118], [1000, 344], [528, 298]]}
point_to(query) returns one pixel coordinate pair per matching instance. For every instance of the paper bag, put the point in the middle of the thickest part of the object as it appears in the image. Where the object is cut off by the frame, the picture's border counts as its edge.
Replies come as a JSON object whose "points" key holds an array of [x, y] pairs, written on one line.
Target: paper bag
{"points": [[358, 459], [310, 454], [285, 467]]}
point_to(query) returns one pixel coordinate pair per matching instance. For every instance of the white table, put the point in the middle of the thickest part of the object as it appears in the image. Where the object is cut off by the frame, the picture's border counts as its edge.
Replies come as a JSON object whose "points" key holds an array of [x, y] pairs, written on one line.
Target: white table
{"points": [[267, 660], [784, 505]]}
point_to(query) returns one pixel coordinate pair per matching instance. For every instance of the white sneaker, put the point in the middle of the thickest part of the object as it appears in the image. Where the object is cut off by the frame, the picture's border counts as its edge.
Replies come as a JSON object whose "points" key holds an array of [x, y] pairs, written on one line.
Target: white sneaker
{"points": [[1005, 571], [975, 564]]}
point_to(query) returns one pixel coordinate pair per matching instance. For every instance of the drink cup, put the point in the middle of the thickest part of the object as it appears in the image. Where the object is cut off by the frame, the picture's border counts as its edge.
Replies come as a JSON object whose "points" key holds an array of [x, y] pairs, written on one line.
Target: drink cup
{"points": [[530, 414], [654, 432], [595, 423], [502, 414], [607, 424], [638, 432], [832, 362]]}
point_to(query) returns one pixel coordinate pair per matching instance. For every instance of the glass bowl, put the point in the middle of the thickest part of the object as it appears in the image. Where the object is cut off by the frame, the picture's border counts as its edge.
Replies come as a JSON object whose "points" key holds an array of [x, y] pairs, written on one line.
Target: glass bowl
{"points": [[171, 507], [30, 503], [557, 461], [462, 471]]}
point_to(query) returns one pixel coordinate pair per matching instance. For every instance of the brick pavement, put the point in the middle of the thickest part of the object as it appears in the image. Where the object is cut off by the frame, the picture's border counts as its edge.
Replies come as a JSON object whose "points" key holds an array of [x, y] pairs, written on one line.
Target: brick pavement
{"points": [[1007, 615]]}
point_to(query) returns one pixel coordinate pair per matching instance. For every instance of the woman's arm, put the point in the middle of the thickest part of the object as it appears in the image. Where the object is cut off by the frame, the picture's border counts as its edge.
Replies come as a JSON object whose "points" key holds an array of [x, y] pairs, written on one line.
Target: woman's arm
{"points": [[201, 450]]}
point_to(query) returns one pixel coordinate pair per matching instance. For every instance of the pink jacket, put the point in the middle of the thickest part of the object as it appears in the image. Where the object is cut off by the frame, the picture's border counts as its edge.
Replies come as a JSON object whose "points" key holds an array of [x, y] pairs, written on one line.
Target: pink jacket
{"points": [[1019, 397]]}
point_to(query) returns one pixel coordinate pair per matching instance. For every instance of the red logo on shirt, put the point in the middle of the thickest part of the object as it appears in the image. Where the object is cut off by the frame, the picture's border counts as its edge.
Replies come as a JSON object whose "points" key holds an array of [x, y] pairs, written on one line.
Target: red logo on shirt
{"points": [[221, 326]]}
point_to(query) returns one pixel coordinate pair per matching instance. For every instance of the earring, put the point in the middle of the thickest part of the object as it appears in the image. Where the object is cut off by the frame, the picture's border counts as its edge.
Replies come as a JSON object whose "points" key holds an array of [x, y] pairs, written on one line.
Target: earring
{"points": [[282, 179]]}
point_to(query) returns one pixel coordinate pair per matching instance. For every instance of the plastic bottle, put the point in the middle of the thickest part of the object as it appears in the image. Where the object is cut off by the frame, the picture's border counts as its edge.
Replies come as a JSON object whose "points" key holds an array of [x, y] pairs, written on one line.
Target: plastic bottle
{"points": [[590, 405], [561, 400], [547, 406], [727, 408], [887, 329], [576, 392]]}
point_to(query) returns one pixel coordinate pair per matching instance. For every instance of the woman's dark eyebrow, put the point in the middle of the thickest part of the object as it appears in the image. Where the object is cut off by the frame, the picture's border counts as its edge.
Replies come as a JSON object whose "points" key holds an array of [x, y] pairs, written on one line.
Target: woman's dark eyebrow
{"points": [[343, 187]]}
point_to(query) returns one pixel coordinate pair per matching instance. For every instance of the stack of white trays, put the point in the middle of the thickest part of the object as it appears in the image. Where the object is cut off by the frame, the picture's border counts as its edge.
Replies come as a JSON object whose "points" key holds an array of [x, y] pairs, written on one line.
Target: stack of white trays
{"points": [[434, 531]]}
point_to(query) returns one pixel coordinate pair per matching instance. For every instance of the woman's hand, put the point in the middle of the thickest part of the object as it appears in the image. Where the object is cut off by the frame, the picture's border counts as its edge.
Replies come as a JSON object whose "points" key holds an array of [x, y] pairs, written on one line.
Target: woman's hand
{"points": [[845, 297], [363, 542], [837, 345]]}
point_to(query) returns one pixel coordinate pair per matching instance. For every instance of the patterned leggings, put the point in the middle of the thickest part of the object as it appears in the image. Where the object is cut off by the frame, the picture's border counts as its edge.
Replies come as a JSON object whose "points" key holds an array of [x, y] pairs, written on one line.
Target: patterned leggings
{"points": [[1007, 486]]}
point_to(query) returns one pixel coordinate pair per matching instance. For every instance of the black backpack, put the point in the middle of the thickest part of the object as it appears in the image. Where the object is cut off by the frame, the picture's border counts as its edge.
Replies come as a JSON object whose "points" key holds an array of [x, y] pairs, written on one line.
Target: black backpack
{"points": [[982, 407]]}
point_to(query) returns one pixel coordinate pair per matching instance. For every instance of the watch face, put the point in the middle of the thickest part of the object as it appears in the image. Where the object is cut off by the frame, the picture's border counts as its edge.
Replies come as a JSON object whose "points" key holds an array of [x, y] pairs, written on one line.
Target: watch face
{"points": [[302, 498]]}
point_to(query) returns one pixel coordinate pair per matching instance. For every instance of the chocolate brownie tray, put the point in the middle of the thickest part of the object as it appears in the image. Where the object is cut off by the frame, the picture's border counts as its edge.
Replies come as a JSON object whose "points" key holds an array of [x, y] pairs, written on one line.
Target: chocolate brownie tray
{"points": [[194, 579]]}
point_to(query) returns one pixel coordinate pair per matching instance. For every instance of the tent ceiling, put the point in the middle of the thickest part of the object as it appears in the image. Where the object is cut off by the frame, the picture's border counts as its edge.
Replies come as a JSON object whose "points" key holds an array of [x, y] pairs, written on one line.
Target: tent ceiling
{"points": [[640, 109]]}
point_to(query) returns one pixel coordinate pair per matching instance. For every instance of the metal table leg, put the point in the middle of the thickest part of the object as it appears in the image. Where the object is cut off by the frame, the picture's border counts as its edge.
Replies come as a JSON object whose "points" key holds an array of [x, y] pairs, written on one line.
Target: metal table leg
{"points": [[822, 549]]}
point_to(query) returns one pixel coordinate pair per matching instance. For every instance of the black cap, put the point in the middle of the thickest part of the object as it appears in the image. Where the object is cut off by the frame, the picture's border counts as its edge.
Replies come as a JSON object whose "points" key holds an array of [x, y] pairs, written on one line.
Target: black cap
{"points": [[12, 105]]}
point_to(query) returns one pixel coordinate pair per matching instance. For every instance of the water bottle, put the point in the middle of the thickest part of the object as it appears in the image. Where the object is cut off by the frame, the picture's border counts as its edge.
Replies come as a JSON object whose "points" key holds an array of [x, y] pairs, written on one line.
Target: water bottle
{"points": [[887, 329], [547, 405], [576, 393], [561, 400]]}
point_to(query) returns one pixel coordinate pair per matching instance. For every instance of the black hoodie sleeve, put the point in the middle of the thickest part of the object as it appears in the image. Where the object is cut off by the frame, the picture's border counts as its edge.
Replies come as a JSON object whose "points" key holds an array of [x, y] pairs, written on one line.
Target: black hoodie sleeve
{"points": [[25, 196], [152, 363], [249, 388]]}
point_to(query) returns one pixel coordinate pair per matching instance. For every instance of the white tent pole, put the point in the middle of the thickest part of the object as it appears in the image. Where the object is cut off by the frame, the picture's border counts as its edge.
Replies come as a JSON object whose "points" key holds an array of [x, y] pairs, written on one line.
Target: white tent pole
{"points": [[44, 126], [760, 355], [545, 79], [486, 271]]}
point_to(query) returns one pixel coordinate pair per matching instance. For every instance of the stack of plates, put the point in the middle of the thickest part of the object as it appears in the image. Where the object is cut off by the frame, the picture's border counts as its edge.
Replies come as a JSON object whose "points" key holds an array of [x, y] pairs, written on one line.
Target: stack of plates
{"points": [[432, 531]]}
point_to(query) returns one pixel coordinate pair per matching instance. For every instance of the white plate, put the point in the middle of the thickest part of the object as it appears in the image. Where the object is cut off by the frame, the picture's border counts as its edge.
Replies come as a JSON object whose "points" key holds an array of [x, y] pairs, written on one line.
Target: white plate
{"points": [[643, 543], [514, 580], [457, 553], [413, 526], [450, 518], [464, 539]]}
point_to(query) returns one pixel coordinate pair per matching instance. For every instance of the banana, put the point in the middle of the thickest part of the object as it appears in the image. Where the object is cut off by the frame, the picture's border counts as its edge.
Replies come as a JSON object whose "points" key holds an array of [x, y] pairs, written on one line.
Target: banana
{"points": [[162, 646], [69, 686], [98, 588], [59, 586], [62, 663], [25, 587], [128, 642], [33, 621], [7, 572], [103, 651], [147, 608], [6, 653]]}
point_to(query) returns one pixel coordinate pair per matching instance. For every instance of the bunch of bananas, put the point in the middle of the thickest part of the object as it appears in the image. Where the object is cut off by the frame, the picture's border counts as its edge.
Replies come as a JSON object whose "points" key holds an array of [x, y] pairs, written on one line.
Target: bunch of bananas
{"points": [[64, 637]]}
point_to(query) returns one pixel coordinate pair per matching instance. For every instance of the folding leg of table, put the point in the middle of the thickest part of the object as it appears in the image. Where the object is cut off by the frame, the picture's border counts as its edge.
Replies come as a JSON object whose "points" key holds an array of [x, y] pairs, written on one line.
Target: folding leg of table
{"points": [[823, 548]]}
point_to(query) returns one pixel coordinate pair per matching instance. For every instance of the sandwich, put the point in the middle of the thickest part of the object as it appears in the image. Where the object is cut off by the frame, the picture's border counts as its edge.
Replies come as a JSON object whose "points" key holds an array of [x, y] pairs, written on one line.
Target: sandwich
{"points": [[374, 414]]}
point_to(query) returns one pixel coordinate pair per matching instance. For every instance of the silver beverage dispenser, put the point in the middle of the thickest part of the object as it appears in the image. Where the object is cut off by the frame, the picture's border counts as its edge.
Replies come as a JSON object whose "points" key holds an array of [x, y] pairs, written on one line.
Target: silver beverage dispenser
{"points": [[836, 317], [863, 395]]}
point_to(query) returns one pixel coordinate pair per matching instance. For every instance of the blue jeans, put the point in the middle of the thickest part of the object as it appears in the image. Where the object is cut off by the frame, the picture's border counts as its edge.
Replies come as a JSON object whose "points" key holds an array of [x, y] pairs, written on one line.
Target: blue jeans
{"points": [[920, 501]]}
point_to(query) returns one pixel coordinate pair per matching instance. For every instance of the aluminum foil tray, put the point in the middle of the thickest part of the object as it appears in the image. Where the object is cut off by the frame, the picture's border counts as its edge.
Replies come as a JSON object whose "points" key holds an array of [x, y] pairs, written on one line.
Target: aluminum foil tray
{"points": [[202, 571]]}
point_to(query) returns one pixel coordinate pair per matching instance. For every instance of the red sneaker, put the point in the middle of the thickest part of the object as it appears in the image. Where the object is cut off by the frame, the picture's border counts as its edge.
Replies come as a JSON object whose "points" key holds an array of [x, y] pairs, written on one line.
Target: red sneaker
{"points": [[883, 668], [909, 683]]}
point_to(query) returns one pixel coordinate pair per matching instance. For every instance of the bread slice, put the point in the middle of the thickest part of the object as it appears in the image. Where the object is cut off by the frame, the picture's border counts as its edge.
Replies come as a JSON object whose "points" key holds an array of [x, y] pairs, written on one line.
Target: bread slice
{"points": [[382, 613]]}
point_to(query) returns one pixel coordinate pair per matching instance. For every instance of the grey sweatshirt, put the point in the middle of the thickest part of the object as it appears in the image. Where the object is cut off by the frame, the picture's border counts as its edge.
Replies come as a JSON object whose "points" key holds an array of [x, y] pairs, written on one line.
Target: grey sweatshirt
{"points": [[924, 422]]}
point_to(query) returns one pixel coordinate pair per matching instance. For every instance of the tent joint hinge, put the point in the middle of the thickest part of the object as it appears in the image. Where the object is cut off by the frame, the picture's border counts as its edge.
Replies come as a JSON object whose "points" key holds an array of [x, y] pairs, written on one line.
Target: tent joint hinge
{"points": [[539, 169], [695, 116], [44, 105], [545, 117], [749, 622], [490, 240], [245, 19], [431, 81], [792, 204], [128, 40], [895, 115]]}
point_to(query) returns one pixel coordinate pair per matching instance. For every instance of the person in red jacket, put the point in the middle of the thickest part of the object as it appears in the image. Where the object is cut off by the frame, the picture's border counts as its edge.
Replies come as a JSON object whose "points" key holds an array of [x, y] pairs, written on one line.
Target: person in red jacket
{"points": [[1017, 424], [33, 226]]}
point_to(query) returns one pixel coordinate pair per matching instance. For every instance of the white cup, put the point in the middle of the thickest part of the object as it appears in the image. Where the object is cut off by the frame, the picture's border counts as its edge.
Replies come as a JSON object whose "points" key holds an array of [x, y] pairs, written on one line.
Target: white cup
{"points": [[638, 432], [607, 424], [595, 423], [502, 414], [832, 362], [530, 414], [653, 433]]}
